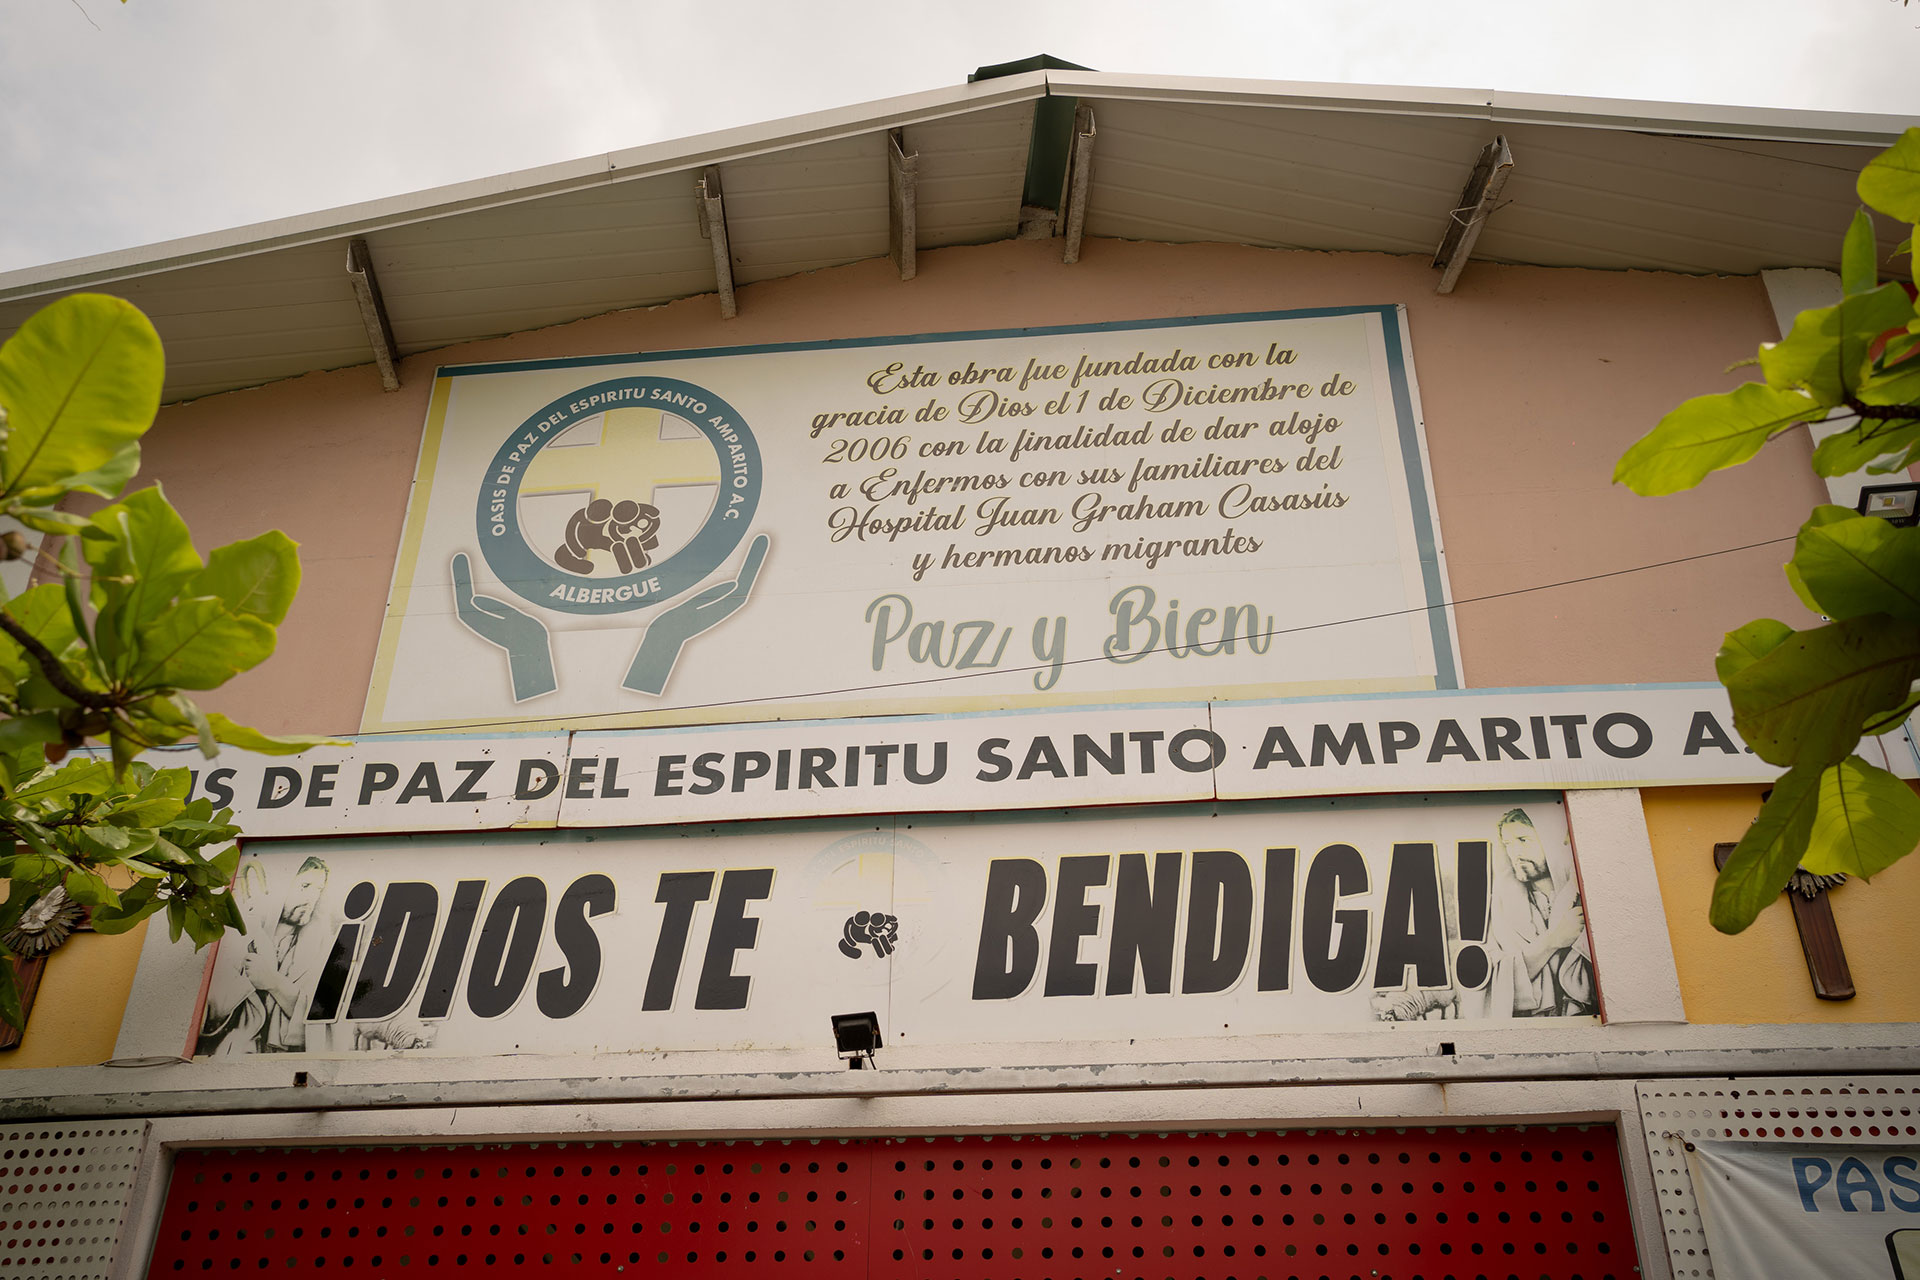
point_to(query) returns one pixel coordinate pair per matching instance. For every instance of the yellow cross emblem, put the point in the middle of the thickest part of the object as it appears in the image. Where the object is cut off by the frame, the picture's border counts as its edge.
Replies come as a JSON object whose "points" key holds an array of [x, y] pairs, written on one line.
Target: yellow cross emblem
{"points": [[632, 459]]}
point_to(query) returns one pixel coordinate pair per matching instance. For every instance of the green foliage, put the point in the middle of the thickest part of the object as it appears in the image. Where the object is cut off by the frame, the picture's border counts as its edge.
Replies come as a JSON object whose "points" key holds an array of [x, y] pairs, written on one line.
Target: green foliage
{"points": [[104, 654], [1803, 699]]}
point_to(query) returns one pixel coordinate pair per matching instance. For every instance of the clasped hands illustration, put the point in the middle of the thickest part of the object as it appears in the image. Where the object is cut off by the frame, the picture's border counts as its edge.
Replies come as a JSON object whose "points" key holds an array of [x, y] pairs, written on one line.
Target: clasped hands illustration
{"points": [[529, 648]]}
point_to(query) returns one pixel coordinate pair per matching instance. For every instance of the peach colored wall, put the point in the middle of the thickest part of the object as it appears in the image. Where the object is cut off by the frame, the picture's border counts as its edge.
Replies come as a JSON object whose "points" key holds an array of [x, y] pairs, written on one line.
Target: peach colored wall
{"points": [[1533, 381], [1760, 975]]}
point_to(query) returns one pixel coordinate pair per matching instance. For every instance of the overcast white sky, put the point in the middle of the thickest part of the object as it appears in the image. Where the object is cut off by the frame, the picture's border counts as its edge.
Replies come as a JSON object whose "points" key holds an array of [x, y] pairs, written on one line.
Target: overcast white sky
{"points": [[125, 124]]}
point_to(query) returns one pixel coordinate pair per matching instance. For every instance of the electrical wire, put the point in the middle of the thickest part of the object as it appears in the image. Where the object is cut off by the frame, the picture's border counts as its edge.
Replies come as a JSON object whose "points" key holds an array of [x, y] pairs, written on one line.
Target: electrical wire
{"points": [[1074, 662]]}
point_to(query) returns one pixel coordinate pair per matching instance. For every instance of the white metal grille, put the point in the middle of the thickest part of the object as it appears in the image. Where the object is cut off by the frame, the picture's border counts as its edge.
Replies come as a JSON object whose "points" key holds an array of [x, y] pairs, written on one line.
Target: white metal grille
{"points": [[1825, 1109], [64, 1190]]}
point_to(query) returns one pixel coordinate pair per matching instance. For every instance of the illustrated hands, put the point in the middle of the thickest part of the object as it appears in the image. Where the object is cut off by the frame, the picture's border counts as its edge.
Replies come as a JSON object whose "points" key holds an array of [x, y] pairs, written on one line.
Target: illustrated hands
{"points": [[669, 632], [1567, 919], [523, 636]]}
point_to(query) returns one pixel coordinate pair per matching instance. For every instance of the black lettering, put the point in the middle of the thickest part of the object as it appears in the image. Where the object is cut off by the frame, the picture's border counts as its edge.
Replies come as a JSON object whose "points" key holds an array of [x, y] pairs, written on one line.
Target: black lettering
{"points": [[680, 890], [993, 754], [1219, 921], [1450, 740], [217, 789], [509, 944], [733, 931], [1338, 871], [377, 777], [609, 777], [1705, 731], [402, 933], [1216, 750], [1352, 741], [325, 1005], [580, 777], [1278, 746], [666, 775], [1603, 735], [536, 780], [1276, 923], [1501, 736], [1009, 952], [1396, 736], [562, 992], [471, 771], [424, 784], [320, 786], [706, 766], [1073, 919], [451, 957], [1146, 916], [1411, 929], [270, 783]]}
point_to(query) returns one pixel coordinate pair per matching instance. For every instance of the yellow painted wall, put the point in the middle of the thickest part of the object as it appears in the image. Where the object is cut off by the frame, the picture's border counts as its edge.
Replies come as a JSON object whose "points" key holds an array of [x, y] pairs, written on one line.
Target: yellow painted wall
{"points": [[1761, 975], [76, 1017]]}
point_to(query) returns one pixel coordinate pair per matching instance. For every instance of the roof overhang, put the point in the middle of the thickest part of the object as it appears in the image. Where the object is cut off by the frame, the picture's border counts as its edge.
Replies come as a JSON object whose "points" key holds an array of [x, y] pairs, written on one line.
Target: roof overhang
{"points": [[1595, 183]]}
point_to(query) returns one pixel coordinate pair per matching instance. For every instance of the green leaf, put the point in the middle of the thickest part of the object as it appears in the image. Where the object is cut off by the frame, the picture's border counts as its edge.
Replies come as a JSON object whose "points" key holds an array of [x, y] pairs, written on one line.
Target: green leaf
{"points": [[136, 904], [142, 557], [79, 381], [1891, 180], [1868, 820], [1803, 703], [199, 644], [1708, 433], [285, 744], [85, 777], [20, 732], [200, 925], [1852, 565], [1767, 854], [1826, 351], [257, 577], [89, 889], [1845, 452], [1859, 255], [1747, 645], [47, 521], [103, 481]]}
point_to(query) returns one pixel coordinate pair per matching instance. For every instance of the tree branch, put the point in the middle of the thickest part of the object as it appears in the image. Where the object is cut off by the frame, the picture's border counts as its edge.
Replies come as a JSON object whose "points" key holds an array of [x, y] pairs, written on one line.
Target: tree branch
{"points": [[51, 666], [1884, 412]]}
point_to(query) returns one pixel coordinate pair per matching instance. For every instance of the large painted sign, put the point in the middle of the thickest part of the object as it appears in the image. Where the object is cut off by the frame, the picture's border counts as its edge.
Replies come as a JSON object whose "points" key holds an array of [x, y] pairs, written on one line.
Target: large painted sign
{"points": [[1785, 1211], [1183, 509], [1167, 922]]}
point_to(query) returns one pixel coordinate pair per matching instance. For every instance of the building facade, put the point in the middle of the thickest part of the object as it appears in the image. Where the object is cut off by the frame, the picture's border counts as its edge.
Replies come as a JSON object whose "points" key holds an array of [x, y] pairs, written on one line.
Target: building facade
{"points": [[1060, 568]]}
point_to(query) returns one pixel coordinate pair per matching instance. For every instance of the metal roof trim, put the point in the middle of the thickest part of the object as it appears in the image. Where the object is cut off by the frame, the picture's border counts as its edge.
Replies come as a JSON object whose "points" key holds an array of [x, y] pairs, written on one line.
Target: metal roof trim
{"points": [[692, 152], [1774, 124]]}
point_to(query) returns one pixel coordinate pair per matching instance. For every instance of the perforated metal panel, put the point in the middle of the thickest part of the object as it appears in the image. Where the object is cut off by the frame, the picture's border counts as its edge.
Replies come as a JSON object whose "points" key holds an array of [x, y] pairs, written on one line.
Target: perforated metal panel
{"points": [[1822, 1109], [64, 1190], [1382, 1203]]}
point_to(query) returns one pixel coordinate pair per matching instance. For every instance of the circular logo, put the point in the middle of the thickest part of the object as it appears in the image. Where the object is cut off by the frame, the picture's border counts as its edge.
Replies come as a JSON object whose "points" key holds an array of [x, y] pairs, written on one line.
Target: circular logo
{"points": [[625, 517]]}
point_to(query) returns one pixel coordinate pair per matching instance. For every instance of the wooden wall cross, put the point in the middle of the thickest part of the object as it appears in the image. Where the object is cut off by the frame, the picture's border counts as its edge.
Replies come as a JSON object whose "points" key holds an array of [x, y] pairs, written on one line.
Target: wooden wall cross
{"points": [[1819, 935]]}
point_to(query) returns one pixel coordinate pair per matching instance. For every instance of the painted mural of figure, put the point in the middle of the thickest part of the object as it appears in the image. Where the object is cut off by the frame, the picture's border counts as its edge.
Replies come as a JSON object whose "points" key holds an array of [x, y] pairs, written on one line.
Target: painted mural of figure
{"points": [[1542, 960], [260, 1006], [631, 530]]}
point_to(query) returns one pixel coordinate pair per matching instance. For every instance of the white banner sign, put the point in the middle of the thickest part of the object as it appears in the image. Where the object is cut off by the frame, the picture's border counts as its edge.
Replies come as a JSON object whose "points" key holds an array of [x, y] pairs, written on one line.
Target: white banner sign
{"points": [[1168, 510], [1787, 1211], [1459, 741], [1270, 917]]}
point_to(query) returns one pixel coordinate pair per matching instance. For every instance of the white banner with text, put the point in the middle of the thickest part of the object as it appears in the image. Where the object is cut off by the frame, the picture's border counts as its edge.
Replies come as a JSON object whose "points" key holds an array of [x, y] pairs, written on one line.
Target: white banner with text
{"points": [[1259, 918], [1471, 740], [1788, 1211]]}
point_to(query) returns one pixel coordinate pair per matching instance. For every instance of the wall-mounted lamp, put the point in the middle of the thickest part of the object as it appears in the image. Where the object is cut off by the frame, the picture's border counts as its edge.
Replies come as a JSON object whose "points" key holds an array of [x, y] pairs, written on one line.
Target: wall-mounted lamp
{"points": [[856, 1036], [1897, 504]]}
